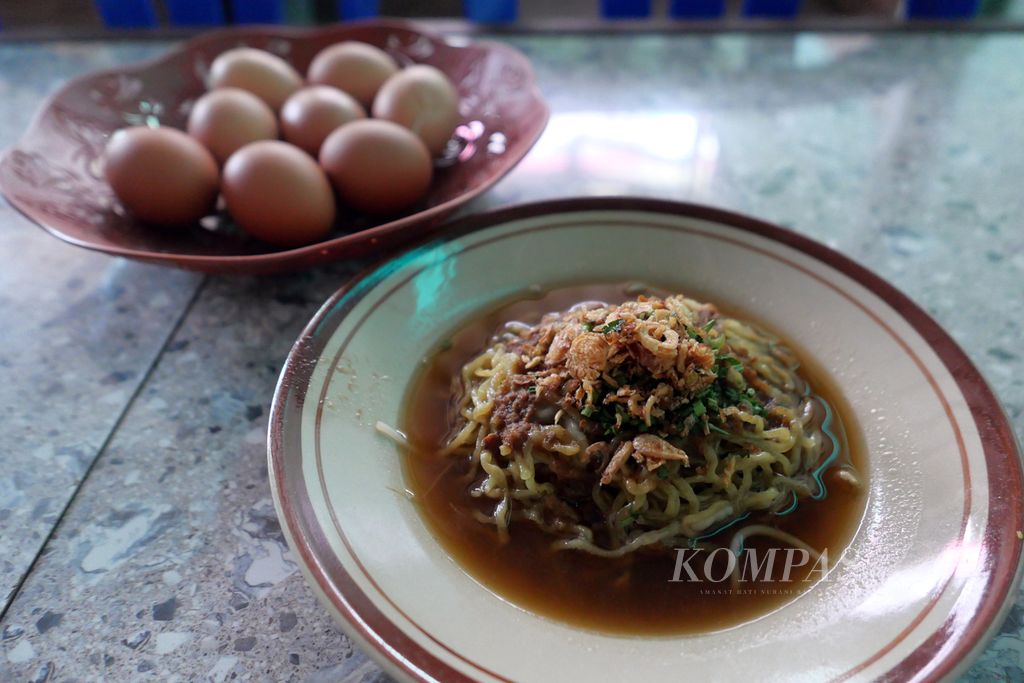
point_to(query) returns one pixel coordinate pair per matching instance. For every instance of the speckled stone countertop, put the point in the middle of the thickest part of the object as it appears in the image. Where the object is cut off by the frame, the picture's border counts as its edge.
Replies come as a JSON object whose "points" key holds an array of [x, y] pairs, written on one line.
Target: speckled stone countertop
{"points": [[137, 536]]}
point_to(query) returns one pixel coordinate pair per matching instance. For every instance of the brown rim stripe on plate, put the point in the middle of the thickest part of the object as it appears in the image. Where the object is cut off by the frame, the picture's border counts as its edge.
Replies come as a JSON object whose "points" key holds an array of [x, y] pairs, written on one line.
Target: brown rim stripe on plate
{"points": [[575, 222], [331, 577], [1003, 548]]}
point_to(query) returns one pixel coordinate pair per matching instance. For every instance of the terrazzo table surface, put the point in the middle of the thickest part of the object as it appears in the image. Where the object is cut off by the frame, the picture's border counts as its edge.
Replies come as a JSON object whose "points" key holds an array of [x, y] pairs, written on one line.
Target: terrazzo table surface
{"points": [[137, 536]]}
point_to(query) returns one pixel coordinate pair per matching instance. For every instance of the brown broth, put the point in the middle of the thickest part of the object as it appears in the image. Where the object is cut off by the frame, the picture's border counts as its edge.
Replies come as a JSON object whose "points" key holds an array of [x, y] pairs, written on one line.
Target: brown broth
{"points": [[629, 595]]}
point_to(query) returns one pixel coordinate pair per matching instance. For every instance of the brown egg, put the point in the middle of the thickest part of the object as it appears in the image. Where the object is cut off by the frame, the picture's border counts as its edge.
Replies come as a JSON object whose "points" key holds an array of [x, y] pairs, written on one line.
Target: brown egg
{"points": [[377, 167], [265, 75], [161, 175], [422, 99], [278, 194], [227, 119], [311, 114], [357, 68]]}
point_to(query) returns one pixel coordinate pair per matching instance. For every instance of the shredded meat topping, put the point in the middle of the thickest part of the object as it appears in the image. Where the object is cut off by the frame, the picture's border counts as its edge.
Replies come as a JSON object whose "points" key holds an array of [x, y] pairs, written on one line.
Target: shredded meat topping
{"points": [[646, 365], [514, 416]]}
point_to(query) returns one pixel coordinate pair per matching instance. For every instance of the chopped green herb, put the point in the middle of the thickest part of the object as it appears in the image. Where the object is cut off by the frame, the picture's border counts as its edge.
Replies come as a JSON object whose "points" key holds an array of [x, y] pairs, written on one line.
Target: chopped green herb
{"points": [[613, 326], [698, 408], [679, 415], [731, 395], [531, 390], [662, 472]]}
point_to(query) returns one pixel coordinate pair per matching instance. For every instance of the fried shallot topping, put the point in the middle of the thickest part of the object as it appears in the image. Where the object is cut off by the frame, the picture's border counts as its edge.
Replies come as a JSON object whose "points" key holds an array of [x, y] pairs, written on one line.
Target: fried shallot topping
{"points": [[642, 374]]}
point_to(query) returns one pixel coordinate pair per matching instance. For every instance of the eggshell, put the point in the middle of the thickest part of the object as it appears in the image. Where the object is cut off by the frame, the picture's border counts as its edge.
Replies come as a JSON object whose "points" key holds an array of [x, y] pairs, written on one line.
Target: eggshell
{"points": [[227, 119], [161, 175], [263, 74], [357, 68], [313, 113], [278, 194], [422, 99], [377, 167]]}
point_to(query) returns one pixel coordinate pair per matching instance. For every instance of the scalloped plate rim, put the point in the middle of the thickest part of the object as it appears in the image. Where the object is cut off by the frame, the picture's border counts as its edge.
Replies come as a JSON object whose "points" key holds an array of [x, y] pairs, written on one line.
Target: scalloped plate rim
{"points": [[211, 263]]}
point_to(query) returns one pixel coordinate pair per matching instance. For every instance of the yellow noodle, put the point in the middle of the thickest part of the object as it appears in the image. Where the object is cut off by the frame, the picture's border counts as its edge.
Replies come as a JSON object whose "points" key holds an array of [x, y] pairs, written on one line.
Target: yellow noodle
{"points": [[757, 465]]}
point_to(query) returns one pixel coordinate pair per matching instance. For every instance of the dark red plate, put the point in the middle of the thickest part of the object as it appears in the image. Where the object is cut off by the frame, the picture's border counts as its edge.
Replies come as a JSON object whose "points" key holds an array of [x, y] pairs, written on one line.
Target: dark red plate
{"points": [[54, 175]]}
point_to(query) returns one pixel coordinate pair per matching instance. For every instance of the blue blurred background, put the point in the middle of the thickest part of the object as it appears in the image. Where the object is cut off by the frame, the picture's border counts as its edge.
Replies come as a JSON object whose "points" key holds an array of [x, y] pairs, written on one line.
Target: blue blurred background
{"points": [[41, 18]]}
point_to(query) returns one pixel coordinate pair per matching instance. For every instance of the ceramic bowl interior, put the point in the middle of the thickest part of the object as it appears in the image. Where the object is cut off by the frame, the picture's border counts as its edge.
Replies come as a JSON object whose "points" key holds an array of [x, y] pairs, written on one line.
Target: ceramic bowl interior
{"points": [[54, 174], [924, 581]]}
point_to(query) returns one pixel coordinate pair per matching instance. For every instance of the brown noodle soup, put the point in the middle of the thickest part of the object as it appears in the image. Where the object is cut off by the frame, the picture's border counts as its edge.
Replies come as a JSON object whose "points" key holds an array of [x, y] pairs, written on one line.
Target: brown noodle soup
{"points": [[563, 460]]}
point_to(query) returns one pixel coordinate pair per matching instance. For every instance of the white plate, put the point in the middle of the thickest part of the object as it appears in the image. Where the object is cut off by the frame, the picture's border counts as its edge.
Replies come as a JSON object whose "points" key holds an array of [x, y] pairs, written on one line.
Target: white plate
{"points": [[927, 578]]}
